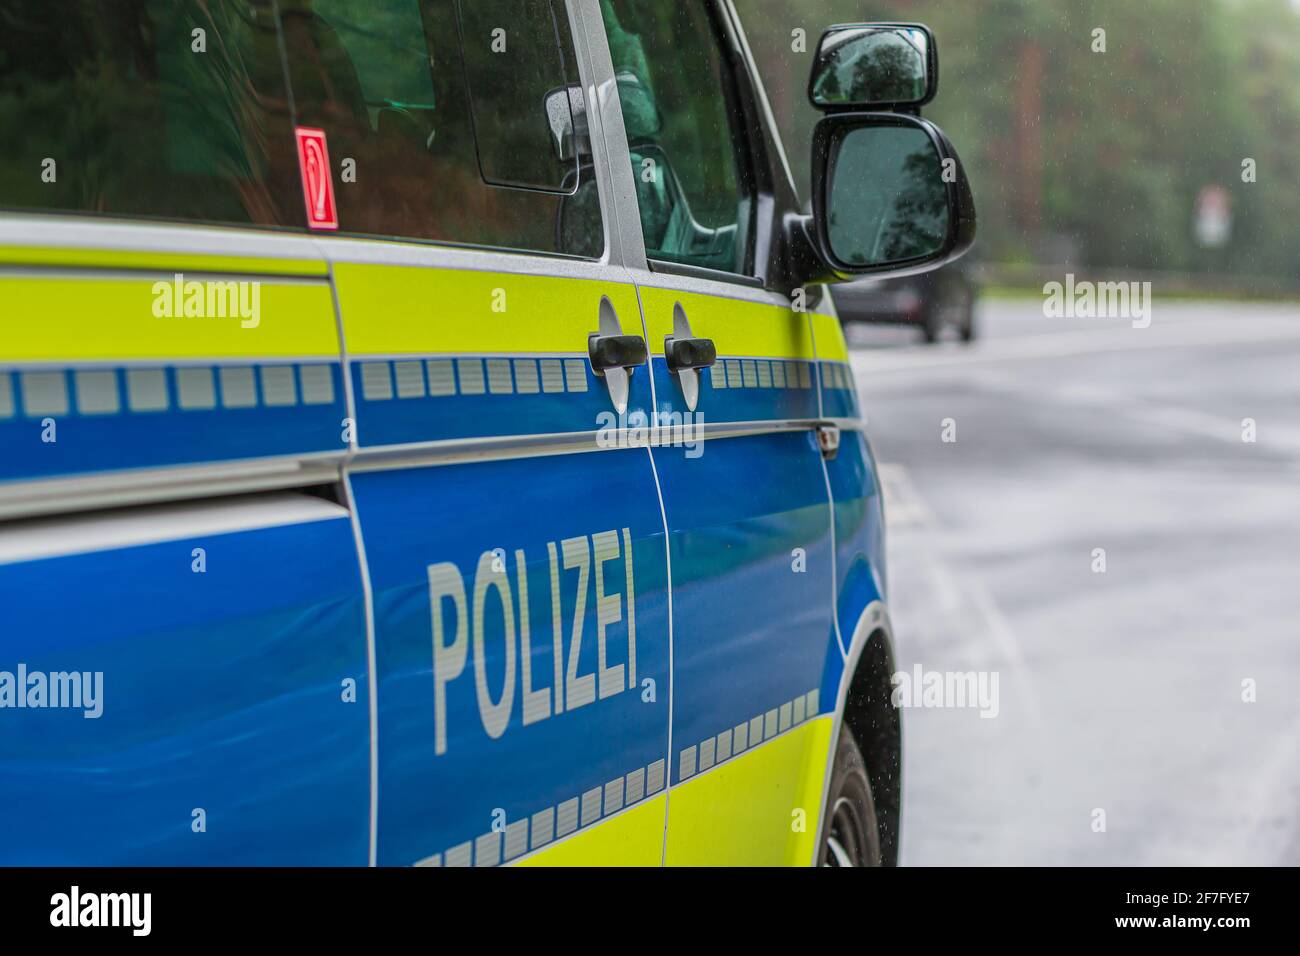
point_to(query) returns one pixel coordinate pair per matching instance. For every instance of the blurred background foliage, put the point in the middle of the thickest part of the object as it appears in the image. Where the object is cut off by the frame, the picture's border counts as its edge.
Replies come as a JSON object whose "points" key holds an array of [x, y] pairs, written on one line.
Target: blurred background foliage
{"points": [[1087, 159]]}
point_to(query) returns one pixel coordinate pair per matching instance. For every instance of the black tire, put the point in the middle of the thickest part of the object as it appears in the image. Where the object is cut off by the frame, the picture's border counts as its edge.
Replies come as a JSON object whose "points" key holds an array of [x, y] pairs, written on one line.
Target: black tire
{"points": [[850, 832], [930, 328]]}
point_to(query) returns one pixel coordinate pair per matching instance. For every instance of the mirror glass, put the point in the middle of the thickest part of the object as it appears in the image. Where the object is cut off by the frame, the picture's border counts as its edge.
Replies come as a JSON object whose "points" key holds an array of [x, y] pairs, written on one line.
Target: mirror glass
{"points": [[872, 66], [887, 201]]}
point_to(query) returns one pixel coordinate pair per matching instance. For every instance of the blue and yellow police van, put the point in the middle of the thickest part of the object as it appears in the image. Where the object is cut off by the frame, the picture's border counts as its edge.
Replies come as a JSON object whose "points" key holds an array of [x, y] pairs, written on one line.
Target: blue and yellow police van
{"points": [[424, 438]]}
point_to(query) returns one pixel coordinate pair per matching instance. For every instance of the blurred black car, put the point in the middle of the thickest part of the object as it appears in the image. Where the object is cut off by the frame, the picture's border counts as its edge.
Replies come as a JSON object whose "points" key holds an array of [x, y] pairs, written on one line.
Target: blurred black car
{"points": [[933, 301]]}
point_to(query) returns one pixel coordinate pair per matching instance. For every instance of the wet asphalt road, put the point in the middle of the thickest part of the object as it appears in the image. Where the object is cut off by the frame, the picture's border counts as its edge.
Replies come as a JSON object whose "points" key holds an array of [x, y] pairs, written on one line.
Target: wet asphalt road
{"points": [[1119, 691]]}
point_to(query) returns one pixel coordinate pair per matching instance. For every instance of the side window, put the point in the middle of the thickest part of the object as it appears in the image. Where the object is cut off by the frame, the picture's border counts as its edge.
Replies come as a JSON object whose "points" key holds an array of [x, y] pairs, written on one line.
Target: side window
{"points": [[681, 124], [518, 79], [429, 141], [169, 109]]}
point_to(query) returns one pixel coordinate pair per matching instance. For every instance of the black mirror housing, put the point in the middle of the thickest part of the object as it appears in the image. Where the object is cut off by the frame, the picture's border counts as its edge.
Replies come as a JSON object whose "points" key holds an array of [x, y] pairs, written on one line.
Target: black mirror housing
{"points": [[890, 196]]}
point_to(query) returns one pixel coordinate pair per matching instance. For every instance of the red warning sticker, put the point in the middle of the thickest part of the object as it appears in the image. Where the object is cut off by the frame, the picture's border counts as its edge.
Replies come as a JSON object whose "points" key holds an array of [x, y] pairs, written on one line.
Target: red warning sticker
{"points": [[317, 182]]}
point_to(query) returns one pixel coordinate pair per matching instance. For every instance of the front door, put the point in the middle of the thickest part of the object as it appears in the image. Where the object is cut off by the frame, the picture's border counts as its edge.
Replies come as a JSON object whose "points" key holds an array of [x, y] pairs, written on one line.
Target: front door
{"points": [[744, 490]]}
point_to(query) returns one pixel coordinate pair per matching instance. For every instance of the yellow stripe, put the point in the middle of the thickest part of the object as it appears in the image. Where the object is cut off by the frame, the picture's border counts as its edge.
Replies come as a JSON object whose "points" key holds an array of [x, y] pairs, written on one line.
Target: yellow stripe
{"points": [[745, 811], [400, 309], [830, 338], [159, 261], [632, 838], [91, 319], [736, 327]]}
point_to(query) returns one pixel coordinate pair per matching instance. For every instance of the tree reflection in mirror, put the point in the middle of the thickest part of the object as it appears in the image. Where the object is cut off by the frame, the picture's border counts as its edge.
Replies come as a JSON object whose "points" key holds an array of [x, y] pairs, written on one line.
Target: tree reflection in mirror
{"points": [[870, 66], [888, 201]]}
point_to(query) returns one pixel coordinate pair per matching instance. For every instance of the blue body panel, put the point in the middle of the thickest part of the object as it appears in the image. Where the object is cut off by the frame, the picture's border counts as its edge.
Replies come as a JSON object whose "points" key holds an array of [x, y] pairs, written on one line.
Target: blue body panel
{"points": [[222, 691], [305, 418], [750, 633], [859, 527], [859, 539], [413, 518]]}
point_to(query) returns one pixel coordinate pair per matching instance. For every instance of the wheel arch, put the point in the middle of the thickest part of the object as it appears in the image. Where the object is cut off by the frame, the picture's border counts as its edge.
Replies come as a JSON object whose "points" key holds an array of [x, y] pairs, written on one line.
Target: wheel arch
{"points": [[863, 701]]}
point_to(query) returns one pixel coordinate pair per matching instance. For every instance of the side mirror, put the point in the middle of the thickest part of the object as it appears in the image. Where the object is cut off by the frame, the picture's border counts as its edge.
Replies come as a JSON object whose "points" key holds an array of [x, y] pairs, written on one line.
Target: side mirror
{"points": [[889, 195], [875, 66]]}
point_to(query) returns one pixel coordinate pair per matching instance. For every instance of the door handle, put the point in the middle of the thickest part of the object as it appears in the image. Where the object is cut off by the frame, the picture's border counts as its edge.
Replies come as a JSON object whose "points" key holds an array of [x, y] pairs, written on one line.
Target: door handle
{"points": [[686, 355], [689, 353], [613, 355], [616, 351]]}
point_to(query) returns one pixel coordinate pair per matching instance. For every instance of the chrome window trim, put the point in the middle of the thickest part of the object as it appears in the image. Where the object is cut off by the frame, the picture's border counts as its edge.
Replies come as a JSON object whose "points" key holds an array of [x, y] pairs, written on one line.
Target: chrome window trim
{"points": [[116, 489], [63, 535], [91, 233]]}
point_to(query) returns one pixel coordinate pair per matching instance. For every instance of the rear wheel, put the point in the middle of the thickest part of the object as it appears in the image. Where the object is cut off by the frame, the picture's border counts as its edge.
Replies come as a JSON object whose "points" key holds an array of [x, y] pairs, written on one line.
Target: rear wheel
{"points": [[850, 834]]}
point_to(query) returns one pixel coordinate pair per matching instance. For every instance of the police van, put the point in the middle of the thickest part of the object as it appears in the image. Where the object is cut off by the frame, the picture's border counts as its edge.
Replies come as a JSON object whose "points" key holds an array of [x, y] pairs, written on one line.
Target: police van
{"points": [[424, 438]]}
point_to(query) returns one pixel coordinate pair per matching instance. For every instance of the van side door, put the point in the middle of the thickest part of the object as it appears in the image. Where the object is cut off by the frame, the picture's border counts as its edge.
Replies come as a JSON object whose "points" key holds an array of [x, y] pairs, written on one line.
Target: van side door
{"points": [[514, 545], [738, 461]]}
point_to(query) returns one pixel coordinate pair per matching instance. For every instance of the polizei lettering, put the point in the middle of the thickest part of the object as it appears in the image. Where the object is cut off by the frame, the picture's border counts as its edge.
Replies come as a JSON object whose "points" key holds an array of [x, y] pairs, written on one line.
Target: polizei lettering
{"points": [[599, 563]]}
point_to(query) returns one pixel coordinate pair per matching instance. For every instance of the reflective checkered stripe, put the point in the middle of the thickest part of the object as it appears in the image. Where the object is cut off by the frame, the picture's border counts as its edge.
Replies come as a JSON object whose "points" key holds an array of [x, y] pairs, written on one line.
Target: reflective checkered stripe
{"points": [[57, 422], [839, 390], [554, 823], [733, 741], [36, 393], [466, 377], [417, 399], [743, 389], [836, 376], [739, 373]]}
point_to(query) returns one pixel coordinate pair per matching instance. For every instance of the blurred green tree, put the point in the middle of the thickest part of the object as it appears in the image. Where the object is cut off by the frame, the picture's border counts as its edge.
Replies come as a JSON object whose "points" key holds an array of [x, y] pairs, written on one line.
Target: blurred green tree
{"points": [[1088, 148]]}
